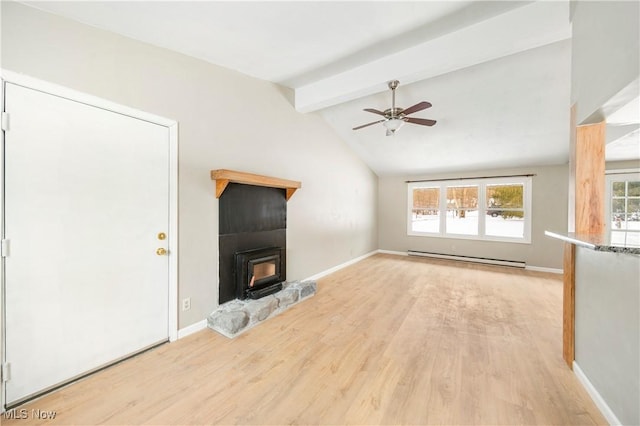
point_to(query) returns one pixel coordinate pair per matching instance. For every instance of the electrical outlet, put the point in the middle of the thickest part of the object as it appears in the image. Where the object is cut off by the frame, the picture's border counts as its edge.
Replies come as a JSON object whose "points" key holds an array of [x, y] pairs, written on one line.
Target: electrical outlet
{"points": [[186, 304]]}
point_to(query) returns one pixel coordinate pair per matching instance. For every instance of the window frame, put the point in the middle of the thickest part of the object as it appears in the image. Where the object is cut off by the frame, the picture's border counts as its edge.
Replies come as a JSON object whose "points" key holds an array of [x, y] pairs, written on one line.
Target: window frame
{"points": [[481, 183], [617, 176]]}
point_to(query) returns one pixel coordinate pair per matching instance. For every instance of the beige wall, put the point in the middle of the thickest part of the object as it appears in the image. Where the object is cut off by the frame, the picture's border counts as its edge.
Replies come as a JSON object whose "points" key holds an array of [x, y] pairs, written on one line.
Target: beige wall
{"points": [[226, 120], [549, 203], [624, 165]]}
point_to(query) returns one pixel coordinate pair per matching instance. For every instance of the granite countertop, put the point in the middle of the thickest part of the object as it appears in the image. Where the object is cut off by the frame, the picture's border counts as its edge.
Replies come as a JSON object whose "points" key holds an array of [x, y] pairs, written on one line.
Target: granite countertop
{"points": [[598, 242]]}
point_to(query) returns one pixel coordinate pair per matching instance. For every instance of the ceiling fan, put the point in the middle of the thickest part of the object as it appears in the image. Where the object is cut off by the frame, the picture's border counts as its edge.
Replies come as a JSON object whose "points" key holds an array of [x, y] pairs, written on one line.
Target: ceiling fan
{"points": [[394, 117]]}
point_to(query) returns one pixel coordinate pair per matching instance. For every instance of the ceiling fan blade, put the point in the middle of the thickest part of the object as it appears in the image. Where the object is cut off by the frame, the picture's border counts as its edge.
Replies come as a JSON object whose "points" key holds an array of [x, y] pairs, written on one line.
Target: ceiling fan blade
{"points": [[417, 107], [421, 121], [368, 124], [375, 111]]}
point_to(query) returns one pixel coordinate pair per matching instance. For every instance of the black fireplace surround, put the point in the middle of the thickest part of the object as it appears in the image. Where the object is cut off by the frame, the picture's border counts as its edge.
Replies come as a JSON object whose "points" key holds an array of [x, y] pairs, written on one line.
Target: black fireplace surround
{"points": [[252, 241]]}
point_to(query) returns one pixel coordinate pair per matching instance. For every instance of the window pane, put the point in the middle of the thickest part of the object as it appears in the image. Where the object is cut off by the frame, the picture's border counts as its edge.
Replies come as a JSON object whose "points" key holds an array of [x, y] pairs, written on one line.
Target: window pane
{"points": [[634, 189], [617, 206], [631, 239], [633, 213], [505, 196], [618, 221], [426, 198], [618, 189], [460, 197], [425, 216], [618, 237], [618, 214], [510, 225], [462, 221]]}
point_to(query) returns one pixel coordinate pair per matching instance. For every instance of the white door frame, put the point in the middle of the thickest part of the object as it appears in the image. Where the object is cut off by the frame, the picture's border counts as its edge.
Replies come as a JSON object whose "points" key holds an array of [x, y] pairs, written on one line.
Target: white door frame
{"points": [[171, 125]]}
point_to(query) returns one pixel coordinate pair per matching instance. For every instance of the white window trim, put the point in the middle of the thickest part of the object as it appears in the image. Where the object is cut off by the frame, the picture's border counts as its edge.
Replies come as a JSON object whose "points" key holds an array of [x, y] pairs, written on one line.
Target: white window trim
{"points": [[526, 182]]}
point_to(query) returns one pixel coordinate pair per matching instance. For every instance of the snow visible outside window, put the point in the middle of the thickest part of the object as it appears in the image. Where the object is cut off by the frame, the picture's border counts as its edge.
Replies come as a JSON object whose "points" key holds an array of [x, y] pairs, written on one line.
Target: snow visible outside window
{"points": [[425, 213], [491, 209], [623, 209], [505, 206], [462, 210]]}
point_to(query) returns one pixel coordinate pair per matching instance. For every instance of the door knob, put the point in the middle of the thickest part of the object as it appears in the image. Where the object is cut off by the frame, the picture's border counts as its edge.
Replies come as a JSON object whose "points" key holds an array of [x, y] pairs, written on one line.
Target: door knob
{"points": [[161, 251]]}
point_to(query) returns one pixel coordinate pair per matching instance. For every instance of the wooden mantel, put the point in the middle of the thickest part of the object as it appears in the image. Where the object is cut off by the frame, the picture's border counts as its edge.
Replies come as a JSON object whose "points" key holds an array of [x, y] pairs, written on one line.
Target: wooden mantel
{"points": [[223, 177]]}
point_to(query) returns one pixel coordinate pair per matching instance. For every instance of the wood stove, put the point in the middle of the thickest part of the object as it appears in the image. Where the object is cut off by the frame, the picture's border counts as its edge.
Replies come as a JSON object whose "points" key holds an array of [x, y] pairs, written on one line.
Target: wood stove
{"points": [[259, 272]]}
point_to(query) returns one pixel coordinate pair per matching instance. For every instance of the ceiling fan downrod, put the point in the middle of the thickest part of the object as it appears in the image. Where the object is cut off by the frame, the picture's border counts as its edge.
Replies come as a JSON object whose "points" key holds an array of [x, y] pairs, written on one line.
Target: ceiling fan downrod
{"points": [[393, 84]]}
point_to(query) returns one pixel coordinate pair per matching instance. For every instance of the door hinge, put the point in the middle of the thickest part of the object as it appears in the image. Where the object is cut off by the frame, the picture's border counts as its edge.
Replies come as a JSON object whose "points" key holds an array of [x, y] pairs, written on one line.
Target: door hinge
{"points": [[6, 372], [5, 121], [4, 248]]}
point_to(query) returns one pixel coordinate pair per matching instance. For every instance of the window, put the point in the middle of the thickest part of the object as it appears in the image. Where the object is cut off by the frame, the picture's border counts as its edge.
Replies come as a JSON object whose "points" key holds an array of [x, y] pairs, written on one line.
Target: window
{"points": [[623, 208], [496, 209]]}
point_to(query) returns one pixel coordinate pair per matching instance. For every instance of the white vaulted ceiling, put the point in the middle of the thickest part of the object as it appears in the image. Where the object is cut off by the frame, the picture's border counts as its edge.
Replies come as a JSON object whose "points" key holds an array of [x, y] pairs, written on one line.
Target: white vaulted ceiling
{"points": [[497, 73], [274, 41]]}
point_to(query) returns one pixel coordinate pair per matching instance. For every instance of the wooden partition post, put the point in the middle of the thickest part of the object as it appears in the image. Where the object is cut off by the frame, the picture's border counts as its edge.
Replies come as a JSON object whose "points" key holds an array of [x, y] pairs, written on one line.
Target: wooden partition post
{"points": [[590, 168], [568, 304], [586, 207]]}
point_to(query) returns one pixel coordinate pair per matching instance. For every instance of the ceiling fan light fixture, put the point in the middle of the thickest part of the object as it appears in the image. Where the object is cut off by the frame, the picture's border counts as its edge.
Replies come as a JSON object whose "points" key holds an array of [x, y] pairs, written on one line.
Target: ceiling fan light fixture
{"points": [[393, 124]]}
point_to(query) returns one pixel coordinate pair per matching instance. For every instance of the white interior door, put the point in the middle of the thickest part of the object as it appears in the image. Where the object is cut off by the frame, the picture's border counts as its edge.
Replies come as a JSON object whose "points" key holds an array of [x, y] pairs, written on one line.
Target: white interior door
{"points": [[86, 195]]}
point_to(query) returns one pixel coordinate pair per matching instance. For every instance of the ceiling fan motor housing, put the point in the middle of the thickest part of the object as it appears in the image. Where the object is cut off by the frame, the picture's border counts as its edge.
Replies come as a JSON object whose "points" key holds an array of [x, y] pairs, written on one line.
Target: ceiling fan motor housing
{"points": [[393, 112]]}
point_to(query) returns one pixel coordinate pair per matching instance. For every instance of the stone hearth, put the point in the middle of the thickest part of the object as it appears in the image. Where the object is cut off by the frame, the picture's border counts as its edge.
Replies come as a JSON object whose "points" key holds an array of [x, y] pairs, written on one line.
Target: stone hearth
{"points": [[237, 316]]}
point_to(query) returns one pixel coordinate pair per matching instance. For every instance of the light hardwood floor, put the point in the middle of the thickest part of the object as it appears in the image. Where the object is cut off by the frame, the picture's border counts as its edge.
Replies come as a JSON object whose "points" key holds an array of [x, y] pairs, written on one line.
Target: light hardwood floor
{"points": [[389, 340]]}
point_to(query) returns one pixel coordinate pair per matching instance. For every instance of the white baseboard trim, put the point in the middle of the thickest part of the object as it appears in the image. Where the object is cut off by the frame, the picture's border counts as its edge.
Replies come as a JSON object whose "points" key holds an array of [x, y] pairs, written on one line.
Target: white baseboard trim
{"points": [[543, 269], [397, 253], [338, 267], [193, 328], [595, 396]]}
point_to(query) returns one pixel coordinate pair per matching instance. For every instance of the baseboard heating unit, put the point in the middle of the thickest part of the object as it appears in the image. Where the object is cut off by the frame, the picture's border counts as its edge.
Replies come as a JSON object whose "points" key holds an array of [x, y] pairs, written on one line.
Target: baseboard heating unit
{"points": [[511, 263]]}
